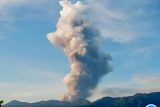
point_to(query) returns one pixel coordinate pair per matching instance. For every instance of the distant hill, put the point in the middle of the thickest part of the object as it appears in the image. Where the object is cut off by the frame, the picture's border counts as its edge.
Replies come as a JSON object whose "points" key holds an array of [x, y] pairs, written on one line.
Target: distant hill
{"points": [[138, 100], [50, 103]]}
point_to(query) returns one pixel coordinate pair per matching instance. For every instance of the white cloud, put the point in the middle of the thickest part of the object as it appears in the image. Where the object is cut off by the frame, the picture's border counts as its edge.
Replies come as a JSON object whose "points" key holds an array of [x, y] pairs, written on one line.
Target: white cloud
{"points": [[147, 50], [12, 11], [107, 13], [4, 4], [6, 7], [151, 80], [30, 92], [30, 83], [145, 83], [118, 35], [122, 23], [40, 85], [113, 24]]}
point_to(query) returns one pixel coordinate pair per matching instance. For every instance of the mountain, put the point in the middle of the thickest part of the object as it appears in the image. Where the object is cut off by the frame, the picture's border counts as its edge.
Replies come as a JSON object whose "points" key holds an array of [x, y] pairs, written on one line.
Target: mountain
{"points": [[138, 100], [16, 103], [50, 103]]}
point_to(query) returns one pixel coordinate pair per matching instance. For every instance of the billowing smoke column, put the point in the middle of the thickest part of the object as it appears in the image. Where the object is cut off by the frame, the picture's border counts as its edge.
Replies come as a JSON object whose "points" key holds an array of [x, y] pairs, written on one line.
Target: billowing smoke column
{"points": [[79, 41]]}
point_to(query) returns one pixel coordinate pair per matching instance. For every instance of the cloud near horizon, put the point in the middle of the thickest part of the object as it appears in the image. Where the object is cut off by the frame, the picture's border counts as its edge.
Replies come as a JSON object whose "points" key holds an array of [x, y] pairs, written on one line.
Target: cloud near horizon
{"points": [[140, 83], [32, 89]]}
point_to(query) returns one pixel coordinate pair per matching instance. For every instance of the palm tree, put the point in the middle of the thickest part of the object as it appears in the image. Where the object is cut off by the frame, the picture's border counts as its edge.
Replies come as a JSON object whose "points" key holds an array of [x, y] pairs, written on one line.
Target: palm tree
{"points": [[1, 101]]}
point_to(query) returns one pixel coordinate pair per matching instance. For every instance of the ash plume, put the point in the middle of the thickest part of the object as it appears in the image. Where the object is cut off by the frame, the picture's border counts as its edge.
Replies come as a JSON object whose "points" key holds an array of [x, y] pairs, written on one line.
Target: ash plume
{"points": [[80, 42]]}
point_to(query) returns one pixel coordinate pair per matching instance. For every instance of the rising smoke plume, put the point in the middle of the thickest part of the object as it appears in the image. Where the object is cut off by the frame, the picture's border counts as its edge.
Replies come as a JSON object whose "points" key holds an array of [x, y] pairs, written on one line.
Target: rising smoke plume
{"points": [[79, 40]]}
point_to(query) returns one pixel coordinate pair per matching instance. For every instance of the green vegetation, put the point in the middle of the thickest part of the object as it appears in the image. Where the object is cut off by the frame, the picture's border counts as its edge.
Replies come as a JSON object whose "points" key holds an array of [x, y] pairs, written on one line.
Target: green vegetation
{"points": [[1, 101]]}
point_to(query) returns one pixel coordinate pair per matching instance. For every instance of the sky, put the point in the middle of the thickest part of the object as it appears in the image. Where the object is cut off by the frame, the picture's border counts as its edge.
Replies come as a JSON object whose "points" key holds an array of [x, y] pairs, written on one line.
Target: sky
{"points": [[32, 69]]}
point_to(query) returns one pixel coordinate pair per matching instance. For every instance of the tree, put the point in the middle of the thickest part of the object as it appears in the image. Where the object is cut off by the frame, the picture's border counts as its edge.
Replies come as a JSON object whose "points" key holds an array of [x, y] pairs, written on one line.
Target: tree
{"points": [[1, 101]]}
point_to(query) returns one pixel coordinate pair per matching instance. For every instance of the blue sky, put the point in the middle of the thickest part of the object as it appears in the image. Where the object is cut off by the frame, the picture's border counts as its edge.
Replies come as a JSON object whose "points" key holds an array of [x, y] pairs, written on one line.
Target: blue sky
{"points": [[31, 69]]}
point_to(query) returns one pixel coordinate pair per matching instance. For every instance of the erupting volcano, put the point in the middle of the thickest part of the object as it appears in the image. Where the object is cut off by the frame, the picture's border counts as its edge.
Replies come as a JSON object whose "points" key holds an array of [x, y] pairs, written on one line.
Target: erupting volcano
{"points": [[80, 41]]}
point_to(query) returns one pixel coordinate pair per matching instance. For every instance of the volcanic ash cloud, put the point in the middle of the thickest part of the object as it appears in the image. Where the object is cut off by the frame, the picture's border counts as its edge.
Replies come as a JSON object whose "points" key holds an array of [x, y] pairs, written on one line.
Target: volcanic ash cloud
{"points": [[79, 41]]}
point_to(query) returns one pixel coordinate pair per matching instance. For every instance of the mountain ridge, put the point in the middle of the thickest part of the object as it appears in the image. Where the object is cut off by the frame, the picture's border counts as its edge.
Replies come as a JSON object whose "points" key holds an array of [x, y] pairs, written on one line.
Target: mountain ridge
{"points": [[137, 100]]}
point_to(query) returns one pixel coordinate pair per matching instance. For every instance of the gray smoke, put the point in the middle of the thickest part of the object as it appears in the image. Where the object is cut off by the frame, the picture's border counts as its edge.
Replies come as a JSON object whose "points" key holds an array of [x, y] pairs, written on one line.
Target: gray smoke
{"points": [[80, 42]]}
